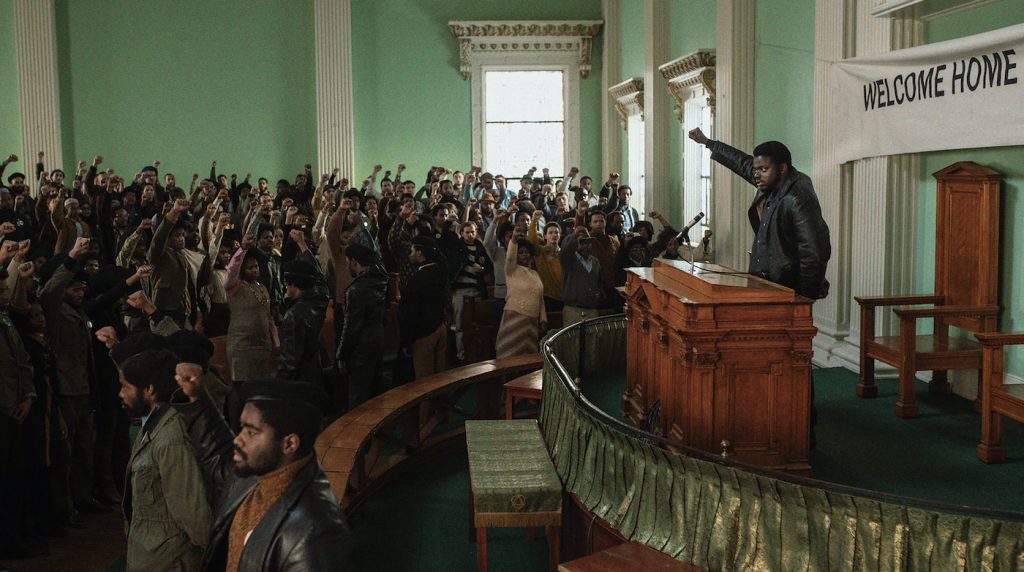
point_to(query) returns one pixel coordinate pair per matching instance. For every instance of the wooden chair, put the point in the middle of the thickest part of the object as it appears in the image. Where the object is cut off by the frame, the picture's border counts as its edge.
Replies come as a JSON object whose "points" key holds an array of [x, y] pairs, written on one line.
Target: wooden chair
{"points": [[479, 329], [997, 400], [966, 293]]}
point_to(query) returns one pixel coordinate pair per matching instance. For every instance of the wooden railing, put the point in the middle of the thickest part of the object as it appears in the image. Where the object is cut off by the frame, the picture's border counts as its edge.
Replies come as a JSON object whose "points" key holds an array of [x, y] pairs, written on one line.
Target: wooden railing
{"points": [[364, 448]]}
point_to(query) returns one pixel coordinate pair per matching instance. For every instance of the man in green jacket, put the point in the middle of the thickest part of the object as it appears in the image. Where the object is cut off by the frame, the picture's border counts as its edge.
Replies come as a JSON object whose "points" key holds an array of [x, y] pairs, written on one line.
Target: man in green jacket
{"points": [[67, 331], [165, 502]]}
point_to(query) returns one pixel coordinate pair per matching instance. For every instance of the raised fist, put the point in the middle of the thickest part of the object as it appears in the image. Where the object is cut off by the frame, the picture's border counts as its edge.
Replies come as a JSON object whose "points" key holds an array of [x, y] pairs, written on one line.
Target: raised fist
{"points": [[698, 136]]}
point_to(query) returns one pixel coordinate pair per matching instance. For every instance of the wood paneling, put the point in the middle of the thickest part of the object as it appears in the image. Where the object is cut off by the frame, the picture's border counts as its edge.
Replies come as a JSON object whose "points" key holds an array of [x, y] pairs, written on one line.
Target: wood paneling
{"points": [[727, 354]]}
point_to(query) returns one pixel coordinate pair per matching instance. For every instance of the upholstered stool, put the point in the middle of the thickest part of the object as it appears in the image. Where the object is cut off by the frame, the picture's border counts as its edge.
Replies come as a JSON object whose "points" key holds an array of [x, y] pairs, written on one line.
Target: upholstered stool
{"points": [[512, 483]]}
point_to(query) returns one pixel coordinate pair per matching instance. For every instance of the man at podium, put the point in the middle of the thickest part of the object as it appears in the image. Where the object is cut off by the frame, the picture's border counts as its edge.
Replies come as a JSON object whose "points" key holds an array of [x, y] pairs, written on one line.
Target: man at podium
{"points": [[791, 239]]}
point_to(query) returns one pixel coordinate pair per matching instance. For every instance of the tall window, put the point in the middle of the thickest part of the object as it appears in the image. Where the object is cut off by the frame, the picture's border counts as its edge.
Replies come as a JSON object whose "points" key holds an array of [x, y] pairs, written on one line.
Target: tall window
{"points": [[635, 155], [524, 121], [705, 169]]}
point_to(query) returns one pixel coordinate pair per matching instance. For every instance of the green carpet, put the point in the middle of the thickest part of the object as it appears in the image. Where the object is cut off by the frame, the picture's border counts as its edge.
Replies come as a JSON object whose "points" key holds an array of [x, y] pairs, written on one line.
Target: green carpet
{"points": [[861, 443], [421, 522]]}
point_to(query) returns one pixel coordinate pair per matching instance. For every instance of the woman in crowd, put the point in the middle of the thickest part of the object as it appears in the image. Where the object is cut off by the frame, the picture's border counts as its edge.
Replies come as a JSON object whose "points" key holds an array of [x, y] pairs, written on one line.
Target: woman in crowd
{"points": [[251, 330], [524, 317]]}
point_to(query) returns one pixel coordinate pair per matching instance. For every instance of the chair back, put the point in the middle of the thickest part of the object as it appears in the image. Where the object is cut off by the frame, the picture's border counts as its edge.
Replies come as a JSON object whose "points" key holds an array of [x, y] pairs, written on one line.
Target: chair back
{"points": [[967, 226]]}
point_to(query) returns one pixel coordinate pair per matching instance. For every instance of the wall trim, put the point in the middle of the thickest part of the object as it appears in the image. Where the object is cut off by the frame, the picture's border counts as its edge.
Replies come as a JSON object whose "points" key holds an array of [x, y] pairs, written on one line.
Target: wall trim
{"points": [[924, 10], [563, 45], [483, 36], [629, 99], [695, 70]]}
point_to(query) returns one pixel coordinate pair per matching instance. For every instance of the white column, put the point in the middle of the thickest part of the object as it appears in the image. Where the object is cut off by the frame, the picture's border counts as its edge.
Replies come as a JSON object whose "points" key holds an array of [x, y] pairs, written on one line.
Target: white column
{"points": [[658, 118], [833, 41], [335, 136], [36, 44], [734, 124], [880, 208], [611, 141]]}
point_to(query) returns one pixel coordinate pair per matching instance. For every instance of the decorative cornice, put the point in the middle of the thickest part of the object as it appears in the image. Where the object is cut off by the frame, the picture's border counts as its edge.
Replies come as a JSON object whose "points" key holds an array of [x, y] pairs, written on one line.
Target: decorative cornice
{"points": [[696, 70], [629, 99], [575, 36]]}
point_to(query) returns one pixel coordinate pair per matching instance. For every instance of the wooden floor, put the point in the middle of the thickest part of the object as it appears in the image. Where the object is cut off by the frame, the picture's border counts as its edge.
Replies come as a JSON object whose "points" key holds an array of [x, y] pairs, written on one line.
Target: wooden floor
{"points": [[92, 549]]}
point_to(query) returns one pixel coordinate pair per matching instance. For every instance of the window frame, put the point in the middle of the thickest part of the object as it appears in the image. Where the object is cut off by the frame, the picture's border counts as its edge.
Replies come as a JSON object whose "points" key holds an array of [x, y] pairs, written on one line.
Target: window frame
{"points": [[570, 115]]}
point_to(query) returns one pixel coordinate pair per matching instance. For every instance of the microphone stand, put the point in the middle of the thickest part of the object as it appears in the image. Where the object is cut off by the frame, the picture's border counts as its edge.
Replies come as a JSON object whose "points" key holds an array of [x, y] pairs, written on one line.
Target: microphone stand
{"points": [[686, 236]]}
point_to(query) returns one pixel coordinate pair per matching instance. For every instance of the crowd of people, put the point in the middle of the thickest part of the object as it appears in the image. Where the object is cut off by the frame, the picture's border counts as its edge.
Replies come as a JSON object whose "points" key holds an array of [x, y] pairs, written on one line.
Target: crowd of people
{"points": [[112, 288]]}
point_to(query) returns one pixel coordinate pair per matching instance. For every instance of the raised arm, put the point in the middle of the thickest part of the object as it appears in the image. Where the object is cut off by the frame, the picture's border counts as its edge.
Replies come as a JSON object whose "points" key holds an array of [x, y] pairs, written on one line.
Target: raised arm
{"points": [[234, 267]]}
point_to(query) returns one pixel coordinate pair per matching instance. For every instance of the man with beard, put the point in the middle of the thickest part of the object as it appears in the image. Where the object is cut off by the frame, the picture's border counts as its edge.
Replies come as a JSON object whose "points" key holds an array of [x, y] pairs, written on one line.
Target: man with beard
{"points": [[362, 336], [276, 511], [165, 503]]}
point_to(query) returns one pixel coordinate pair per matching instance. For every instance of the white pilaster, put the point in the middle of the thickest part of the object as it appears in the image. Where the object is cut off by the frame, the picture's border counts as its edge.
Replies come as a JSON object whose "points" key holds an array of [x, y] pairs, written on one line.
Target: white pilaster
{"points": [[36, 43], [611, 142], [877, 213], [335, 137], [734, 124], [833, 41], [657, 108]]}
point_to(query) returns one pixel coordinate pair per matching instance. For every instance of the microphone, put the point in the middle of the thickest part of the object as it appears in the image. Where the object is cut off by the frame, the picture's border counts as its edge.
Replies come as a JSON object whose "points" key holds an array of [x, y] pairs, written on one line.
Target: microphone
{"points": [[686, 229]]}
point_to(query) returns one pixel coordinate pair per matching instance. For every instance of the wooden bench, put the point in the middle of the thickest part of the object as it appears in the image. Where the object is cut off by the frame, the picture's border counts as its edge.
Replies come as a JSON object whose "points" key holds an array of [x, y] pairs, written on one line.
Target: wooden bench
{"points": [[627, 557], [524, 387], [512, 483], [356, 452]]}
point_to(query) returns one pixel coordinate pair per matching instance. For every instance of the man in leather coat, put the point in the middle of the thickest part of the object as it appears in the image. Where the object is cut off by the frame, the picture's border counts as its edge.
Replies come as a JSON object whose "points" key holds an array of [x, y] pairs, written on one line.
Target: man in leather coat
{"points": [[791, 243], [275, 510], [303, 319], [362, 335]]}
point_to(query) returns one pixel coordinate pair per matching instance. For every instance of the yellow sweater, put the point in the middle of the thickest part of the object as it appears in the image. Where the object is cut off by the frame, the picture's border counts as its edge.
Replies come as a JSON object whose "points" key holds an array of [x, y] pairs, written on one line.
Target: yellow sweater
{"points": [[548, 266]]}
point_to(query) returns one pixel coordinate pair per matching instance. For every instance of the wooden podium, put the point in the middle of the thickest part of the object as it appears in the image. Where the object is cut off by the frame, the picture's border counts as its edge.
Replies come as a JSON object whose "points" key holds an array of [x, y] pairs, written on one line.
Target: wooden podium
{"points": [[728, 355]]}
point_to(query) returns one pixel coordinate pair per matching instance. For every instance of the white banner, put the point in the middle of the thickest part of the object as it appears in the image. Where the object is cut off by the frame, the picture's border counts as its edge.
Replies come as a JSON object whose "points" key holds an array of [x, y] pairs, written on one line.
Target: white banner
{"points": [[959, 94]]}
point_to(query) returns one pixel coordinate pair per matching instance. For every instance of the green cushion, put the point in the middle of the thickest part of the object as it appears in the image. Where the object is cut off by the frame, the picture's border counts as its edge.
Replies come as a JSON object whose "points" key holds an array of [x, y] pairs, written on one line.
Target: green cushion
{"points": [[510, 469]]}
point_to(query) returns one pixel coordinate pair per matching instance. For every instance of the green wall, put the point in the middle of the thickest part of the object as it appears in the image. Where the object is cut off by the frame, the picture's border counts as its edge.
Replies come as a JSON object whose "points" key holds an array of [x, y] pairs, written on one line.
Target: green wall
{"points": [[186, 82], [784, 77], [1007, 160], [10, 110], [410, 102]]}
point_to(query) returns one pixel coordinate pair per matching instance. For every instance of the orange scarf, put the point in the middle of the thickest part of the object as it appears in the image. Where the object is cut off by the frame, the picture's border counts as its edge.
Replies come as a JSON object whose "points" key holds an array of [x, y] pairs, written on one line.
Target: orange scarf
{"points": [[268, 489]]}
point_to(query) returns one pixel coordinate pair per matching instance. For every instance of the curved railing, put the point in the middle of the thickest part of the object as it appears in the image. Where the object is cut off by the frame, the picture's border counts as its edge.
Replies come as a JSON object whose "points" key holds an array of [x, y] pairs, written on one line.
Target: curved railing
{"points": [[361, 450], [720, 514]]}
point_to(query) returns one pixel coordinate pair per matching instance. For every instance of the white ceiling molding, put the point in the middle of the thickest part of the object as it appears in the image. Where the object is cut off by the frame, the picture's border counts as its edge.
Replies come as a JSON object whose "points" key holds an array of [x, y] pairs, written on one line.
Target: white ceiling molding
{"points": [[518, 37], [923, 9], [689, 75], [629, 99]]}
